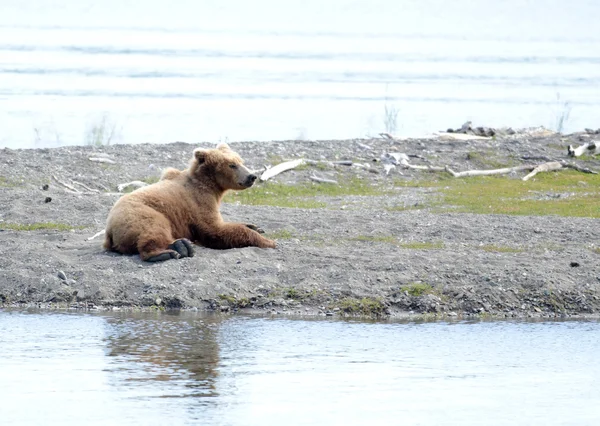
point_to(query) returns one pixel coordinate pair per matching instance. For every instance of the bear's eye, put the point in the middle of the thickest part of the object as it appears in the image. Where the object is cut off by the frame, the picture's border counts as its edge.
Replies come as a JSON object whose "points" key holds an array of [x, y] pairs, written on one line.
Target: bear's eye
{"points": [[233, 166]]}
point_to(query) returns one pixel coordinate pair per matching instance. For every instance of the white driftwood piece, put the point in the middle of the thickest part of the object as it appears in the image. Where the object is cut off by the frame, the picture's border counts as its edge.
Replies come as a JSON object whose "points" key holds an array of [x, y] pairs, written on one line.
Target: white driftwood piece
{"points": [[135, 184], [96, 235], [503, 171], [546, 167], [101, 160], [280, 168], [460, 136], [591, 148]]}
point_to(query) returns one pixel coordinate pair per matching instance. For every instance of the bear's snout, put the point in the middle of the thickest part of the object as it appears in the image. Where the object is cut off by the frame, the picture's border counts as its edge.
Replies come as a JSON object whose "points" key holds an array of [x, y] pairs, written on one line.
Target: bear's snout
{"points": [[250, 180]]}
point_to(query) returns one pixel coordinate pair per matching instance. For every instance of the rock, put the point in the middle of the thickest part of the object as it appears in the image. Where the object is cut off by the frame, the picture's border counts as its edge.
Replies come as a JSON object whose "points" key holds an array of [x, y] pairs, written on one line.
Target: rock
{"points": [[45, 187], [62, 275], [47, 199]]}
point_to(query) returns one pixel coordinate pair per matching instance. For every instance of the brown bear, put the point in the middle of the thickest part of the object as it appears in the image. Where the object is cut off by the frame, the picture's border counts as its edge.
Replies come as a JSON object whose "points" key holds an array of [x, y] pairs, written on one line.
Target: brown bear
{"points": [[160, 221]]}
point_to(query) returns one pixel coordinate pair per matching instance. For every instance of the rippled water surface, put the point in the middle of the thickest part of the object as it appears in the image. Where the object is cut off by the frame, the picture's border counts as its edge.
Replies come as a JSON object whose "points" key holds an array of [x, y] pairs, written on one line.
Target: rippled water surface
{"points": [[186, 70], [61, 368]]}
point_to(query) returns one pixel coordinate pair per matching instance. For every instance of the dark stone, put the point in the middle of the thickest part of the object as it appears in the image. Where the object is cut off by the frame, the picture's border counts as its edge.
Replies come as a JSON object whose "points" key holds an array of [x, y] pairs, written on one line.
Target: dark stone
{"points": [[47, 199]]}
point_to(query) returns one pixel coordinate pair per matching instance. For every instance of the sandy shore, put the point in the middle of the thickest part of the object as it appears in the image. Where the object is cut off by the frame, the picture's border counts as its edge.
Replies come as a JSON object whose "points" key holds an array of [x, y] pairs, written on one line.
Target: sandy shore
{"points": [[388, 253]]}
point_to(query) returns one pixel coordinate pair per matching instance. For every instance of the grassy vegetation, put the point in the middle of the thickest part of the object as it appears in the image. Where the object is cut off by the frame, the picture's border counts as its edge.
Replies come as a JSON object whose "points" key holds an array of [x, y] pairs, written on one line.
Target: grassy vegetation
{"points": [[367, 306], [389, 239], [38, 226], [502, 195], [281, 234], [501, 249], [150, 179], [596, 250], [8, 183], [418, 245], [302, 195], [233, 302], [417, 289], [376, 238], [101, 132], [564, 193]]}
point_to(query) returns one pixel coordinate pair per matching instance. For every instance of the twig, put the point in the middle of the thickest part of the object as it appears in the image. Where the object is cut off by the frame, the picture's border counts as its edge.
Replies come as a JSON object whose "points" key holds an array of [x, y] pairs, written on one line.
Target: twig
{"points": [[66, 185], [96, 235], [85, 187]]}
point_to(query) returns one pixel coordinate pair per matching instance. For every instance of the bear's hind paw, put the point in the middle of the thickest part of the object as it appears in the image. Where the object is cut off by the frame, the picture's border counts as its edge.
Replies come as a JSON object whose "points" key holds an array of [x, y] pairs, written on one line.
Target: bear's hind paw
{"points": [[184, 247], [165, 255]]}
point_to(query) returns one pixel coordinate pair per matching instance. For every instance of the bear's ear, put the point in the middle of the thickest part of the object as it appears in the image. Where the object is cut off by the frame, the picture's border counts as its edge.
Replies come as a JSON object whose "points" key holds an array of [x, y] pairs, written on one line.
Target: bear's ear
{"points": [[223, 147], [200, 155]]}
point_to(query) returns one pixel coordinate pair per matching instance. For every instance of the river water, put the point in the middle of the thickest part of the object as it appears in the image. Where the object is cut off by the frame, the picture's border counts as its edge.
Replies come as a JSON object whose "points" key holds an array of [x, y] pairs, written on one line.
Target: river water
{"points": [[199, 369], [157, 71]]}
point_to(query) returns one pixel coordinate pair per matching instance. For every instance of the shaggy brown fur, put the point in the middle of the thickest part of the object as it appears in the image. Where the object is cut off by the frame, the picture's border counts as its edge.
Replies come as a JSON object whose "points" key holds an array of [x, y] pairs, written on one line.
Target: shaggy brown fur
{"points": [[159, 220]]}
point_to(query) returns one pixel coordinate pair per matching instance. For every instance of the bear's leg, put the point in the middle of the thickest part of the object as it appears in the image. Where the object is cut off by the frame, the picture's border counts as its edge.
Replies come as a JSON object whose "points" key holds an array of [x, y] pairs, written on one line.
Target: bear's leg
{"points": [[233, 235]]}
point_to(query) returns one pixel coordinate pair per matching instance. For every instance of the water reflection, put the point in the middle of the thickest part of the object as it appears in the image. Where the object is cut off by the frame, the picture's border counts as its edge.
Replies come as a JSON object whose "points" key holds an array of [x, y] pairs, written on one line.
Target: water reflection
{"points": [[180, 348]]}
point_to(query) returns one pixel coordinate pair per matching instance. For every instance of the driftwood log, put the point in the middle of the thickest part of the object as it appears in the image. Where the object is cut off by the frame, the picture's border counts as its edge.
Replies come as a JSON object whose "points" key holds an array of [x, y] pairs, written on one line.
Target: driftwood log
{"points": [[591, 148], [400, 159], [280, 168]]}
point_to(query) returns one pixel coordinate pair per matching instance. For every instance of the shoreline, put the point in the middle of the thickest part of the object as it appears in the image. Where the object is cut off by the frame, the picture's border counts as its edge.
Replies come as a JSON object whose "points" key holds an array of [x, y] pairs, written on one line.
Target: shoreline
{"points": [[377, 245]]}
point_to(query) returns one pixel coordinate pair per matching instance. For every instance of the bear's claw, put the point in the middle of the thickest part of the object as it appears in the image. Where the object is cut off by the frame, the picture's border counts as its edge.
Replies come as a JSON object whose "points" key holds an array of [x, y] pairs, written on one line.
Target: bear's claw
{"points": [[184, 247], [255, 228]]}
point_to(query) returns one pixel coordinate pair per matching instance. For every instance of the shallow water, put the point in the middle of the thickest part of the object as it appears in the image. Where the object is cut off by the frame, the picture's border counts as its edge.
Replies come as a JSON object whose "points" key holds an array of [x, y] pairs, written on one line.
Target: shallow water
{"points": [[152, 368], [183, 70]]}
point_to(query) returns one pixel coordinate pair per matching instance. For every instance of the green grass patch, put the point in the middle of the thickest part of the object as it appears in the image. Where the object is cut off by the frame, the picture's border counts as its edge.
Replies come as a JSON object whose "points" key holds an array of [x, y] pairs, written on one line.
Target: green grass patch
{"points": [[301, 195], [418, 245], [234, 302], [281, 234], [150, 179], [417, 289], [9, 183], [502, 195], [376, 239], [38, 226], [367, 306], [501, 249]]}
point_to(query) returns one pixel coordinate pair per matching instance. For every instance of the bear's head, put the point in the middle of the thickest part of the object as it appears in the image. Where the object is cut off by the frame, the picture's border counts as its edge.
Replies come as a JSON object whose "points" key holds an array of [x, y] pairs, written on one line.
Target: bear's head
{"points": [[222, 166]]}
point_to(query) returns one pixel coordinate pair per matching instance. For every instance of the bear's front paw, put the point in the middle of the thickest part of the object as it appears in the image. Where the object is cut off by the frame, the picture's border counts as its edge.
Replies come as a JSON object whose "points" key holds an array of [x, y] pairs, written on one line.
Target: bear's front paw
{"points": [[255, 228], [183, 247]]}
